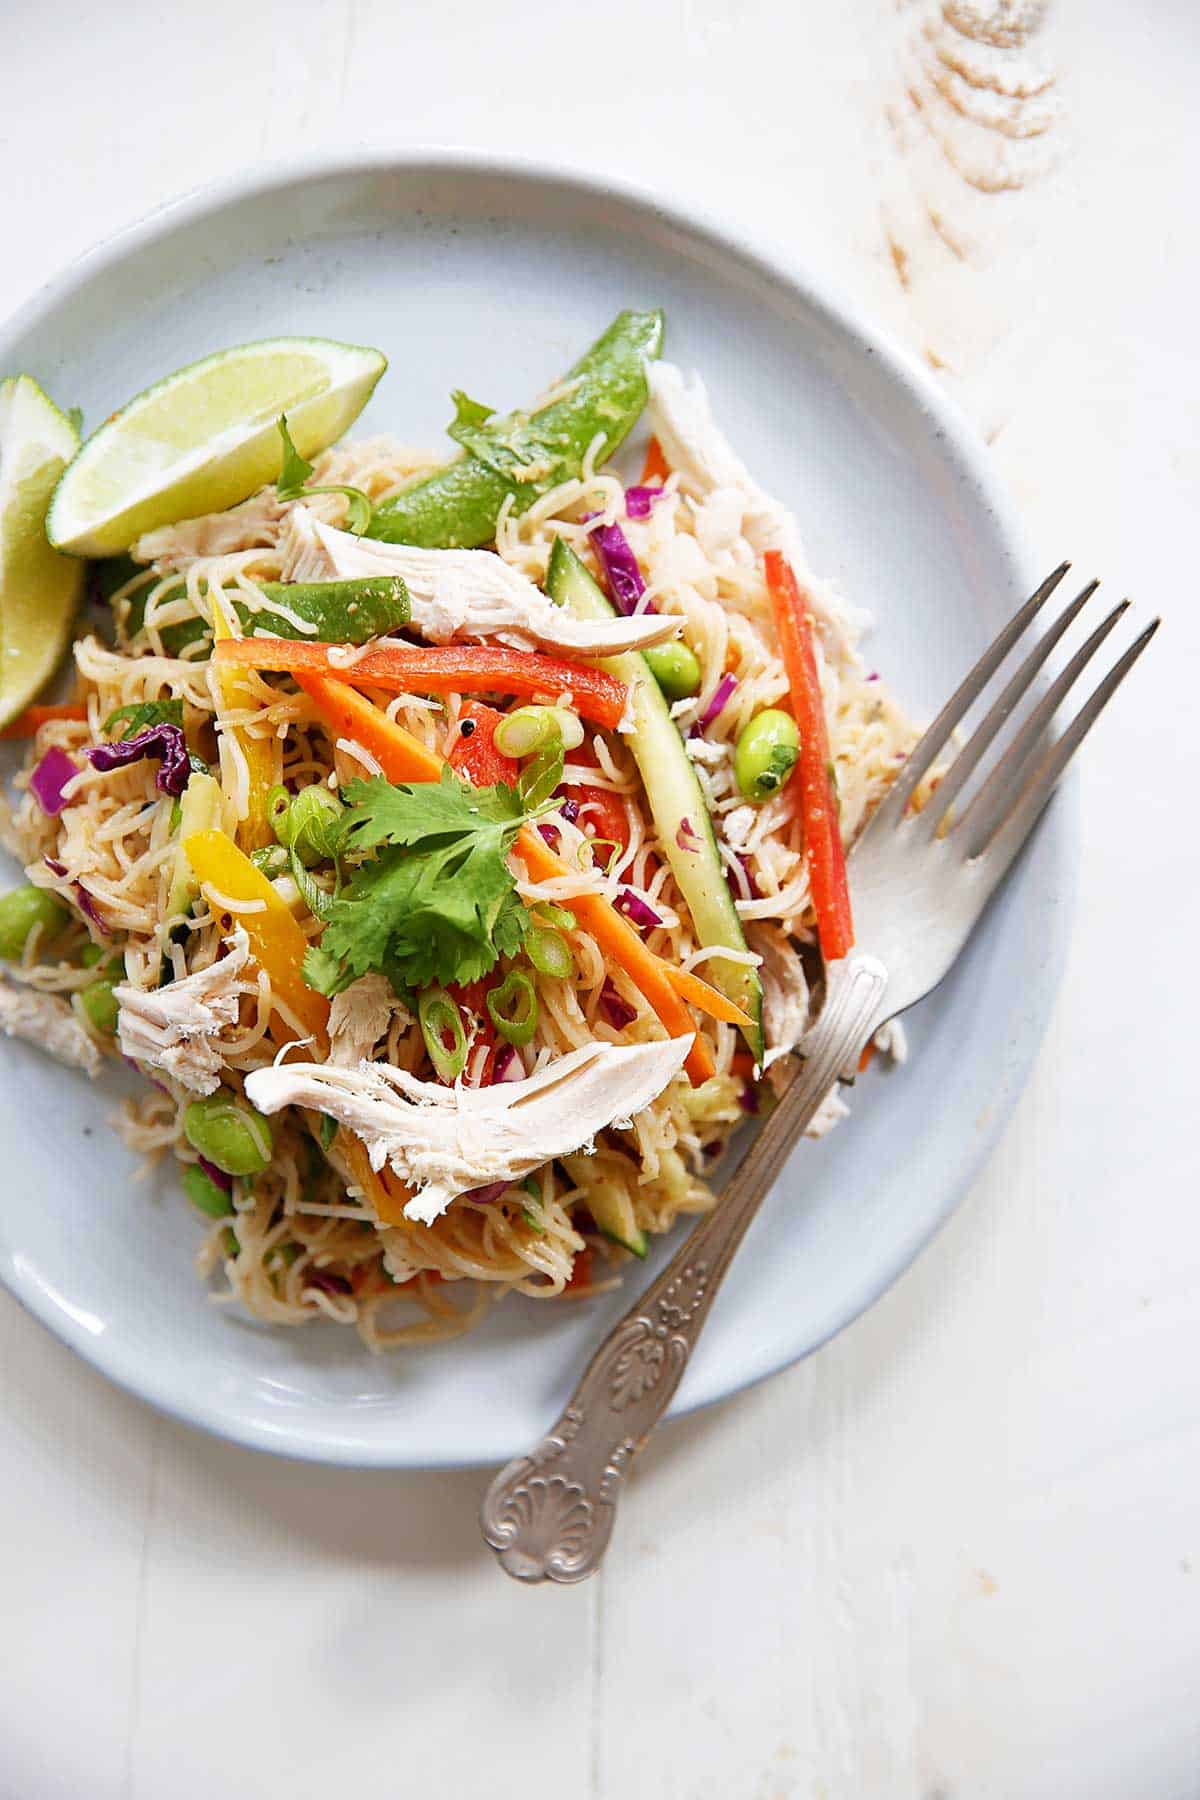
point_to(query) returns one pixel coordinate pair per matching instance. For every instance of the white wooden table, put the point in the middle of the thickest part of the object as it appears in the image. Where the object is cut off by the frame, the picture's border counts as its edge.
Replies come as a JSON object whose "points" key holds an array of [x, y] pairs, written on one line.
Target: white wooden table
{"points": [[967, 1561]]}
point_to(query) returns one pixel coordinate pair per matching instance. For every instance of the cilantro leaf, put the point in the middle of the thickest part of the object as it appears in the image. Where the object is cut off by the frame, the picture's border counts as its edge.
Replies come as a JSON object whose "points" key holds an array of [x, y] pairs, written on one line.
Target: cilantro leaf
{"points": [[294, 471], [437, 904], [468, 414], [138, 715], [295, 474]]}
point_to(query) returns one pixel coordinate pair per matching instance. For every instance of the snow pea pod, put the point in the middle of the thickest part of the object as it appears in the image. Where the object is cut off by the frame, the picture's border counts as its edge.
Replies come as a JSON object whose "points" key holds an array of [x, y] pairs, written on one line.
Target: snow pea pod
{"points": [[343, 612], [525, 454]]}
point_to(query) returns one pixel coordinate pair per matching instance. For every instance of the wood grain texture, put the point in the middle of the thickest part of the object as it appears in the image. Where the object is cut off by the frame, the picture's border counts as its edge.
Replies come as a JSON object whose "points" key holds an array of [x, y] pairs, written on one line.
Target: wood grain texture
{"points": [[966, 1565]]}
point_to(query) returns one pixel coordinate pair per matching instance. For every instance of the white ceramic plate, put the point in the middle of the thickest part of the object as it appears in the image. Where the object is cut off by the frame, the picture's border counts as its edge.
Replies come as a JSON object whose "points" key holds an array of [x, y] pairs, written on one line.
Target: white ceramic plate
{"points": [[492, 278]]}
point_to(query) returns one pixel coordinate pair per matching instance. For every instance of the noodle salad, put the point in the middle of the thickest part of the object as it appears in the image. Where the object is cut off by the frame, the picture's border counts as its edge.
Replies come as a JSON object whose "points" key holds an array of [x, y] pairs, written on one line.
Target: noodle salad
{"points": [[452, 846]]}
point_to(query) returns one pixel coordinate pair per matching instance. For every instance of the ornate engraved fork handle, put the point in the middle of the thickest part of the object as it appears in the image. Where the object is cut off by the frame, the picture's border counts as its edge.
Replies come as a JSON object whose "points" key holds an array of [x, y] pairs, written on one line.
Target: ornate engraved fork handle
{"points": [[549, 1515]]}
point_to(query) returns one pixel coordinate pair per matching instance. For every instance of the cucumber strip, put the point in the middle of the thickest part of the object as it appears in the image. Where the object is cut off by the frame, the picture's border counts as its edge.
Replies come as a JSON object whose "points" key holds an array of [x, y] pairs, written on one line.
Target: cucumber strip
{"points": [[676, 799], [199, 810], [524, 455], [609, 1204]]}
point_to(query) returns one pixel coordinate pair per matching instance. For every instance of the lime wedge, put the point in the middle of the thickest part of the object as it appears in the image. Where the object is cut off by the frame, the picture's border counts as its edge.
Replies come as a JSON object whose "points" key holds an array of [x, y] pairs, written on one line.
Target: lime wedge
{"points": [[39, 589], [205, 438]]}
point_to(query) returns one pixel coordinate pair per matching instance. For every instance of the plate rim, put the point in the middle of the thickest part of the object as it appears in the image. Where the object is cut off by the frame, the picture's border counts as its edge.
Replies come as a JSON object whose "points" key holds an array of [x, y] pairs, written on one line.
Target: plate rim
{"points": [[965, 449]]}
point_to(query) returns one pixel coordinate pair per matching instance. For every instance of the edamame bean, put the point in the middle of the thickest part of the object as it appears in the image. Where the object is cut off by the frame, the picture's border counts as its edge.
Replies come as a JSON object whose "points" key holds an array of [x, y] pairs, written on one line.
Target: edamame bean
{"points": [[676, 668], [99, 1006], [766, 754], [23, 910], [234, 1137], [204, 1193]]}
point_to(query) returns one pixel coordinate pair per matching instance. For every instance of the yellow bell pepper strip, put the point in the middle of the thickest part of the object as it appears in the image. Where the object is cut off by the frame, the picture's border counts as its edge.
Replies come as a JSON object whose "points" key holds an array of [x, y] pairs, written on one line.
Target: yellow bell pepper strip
{"points": [[277, 941], [441, 669], [277, 945], [403, 758], [237, 694]]}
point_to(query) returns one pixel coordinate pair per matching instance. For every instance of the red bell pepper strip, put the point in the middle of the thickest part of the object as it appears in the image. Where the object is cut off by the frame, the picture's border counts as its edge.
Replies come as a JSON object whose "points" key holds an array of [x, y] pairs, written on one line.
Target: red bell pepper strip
{"points": [[474, 753], [444, 669], [822, 832]]}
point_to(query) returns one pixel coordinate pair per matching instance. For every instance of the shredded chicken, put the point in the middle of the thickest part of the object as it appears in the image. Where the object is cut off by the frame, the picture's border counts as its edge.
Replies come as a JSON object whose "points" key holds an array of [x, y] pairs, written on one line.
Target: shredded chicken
{"points": [[785, 989], [47, 1021], [250, 526], [177, 1028], [731, 503], [359, 1017], [462, 593], [446, 1141]]}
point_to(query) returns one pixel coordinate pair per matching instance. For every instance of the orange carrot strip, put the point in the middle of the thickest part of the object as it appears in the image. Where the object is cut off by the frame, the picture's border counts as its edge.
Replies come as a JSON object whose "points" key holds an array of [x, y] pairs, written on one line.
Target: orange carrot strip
{"points": [[655, 467], [443, 669], [30, 722]]}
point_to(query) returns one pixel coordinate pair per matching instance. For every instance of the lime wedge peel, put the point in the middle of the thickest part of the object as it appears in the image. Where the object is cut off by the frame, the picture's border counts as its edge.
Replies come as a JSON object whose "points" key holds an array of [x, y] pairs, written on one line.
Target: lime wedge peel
{"points": [[39, 589], [205, 438]]}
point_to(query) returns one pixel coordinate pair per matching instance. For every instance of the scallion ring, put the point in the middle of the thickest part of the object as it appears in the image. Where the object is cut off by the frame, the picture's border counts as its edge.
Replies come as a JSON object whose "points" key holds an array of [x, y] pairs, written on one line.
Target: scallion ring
{"points": [[549, 952], [533, 728], [444, 1033], [513, 1008]]}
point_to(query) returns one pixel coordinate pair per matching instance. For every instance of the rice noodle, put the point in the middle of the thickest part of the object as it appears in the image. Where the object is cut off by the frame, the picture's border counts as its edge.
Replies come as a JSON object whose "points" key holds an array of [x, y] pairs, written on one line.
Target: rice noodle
{"points": [[302, 1244]]}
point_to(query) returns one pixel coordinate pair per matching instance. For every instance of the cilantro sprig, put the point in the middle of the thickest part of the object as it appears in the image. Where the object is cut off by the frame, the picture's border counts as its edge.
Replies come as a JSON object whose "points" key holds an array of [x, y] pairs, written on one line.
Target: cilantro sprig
{"points": [[295, 474], [435, 903]]}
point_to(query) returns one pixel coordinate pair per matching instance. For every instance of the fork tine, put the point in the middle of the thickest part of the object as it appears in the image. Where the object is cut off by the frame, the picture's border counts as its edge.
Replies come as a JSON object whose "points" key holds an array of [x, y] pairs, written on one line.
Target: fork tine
{"points": [[1011, 830], [933, 742], [992, 801], [965, 763]]}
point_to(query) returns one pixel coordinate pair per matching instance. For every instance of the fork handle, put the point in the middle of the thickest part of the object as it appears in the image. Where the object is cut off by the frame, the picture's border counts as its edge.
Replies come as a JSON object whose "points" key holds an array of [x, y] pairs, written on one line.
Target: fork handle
{"points": [[549, 1515]]}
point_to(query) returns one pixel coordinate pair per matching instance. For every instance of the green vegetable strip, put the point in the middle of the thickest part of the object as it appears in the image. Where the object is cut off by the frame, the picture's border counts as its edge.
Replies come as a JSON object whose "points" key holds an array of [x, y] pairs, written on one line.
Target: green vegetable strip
{"points": [[526, 454], [342, 612]]}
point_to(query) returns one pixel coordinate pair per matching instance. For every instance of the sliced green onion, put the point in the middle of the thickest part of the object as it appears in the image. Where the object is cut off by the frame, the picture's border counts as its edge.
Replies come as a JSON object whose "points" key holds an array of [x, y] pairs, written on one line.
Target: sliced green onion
{"points": [[514, 1008], [444, 1033], [326, 1131], [279, 804], [549, 952], [533, 728], [272, 859], [534, 1224], [611, 845], [557, 915]]}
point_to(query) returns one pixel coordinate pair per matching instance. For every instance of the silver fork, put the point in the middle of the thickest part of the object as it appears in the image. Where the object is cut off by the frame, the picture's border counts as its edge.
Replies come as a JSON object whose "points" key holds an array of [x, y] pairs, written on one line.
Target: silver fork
{"points": [[919, 883]]}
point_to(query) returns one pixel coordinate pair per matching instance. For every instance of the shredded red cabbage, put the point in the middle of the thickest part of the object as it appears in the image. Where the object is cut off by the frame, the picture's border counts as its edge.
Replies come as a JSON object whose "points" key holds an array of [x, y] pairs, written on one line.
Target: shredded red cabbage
{"points": [[687, 837], [740, 879], [716, 705], [570, 811], [166, 742], [748, 1098], [218, 1177], [326, 1282], [639, 500], [620, 565], [617, 1011], [635, 908], [508, 1065], [493, 1191], [48, 779], [86, 904], [551, 834]]}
